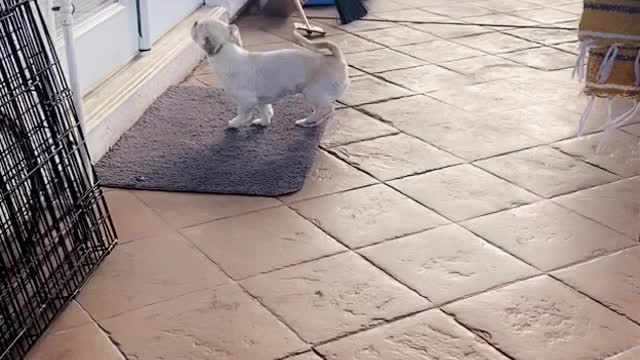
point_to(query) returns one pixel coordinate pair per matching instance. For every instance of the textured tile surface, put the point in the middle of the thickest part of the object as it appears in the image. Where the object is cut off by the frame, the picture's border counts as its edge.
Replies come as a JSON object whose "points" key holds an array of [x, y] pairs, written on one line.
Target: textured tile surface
{"points": [[145, 272], [394, 156], [212, 324], [369, 215], [546, 171], [463, 192], [616, 205], [261, 241], [447, 263], [547, 236], [345, 293], [613, 280], [542, 319], [430, 335]]}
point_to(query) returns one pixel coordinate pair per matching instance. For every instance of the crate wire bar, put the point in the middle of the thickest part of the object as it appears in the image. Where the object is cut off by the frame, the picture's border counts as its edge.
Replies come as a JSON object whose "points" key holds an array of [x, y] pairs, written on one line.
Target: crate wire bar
{"points": [[55, 226]]}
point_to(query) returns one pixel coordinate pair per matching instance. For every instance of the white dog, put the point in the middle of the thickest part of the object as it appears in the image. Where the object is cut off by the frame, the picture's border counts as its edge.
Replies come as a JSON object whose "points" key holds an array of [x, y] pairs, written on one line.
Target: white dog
{"points": [[255, 80]]}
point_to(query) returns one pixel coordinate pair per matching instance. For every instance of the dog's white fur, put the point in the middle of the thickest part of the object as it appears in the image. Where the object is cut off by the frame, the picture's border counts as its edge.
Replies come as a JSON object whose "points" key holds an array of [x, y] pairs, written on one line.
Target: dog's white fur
{"points": [[255, 80]]}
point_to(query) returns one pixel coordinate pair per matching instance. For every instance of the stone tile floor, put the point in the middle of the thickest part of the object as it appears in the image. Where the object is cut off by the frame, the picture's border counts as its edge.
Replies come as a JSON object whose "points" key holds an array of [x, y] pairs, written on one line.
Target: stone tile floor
{"points": [[451, 214]]}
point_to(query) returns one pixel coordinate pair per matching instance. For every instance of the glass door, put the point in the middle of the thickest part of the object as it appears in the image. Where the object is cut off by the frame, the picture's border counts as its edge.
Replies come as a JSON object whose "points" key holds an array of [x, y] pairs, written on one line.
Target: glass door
{"points": [[107, 32]]}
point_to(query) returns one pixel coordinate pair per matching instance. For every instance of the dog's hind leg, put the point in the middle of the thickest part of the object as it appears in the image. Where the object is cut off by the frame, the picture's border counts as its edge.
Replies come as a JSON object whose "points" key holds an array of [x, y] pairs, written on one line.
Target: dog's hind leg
{"points": [[321, 112], [265, 113], [243, 118]]}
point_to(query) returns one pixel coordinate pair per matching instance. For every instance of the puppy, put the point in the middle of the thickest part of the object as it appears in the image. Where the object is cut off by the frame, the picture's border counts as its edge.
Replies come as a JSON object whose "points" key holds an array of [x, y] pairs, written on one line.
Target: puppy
{"points": [[255, 80]]}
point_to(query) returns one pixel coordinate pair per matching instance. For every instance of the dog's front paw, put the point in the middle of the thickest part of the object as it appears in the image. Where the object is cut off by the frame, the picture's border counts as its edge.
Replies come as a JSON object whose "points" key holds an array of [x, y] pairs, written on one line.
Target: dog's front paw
{"points": [[234, 124], [261, 122], [307, 123]]}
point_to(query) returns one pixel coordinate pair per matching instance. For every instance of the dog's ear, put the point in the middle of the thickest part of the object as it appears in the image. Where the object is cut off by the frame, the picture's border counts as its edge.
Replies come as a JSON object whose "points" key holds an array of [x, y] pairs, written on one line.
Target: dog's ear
{"points": [[234, 34], [225, 17]]}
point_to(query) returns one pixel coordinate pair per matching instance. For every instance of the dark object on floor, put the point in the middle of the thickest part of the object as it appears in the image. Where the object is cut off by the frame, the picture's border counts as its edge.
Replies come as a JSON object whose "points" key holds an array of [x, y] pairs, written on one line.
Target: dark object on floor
{"points": [[350, 10], [55, 226], [181, 144]]}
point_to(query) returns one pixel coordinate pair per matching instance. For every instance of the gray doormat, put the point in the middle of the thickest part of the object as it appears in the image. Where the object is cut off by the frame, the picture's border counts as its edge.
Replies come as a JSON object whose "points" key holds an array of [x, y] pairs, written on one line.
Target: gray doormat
{"points": [[181, 144]]}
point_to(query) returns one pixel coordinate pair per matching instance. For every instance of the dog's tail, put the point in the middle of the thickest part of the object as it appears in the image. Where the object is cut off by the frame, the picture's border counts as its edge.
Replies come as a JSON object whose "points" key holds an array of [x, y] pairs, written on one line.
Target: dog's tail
{"points": [[319, 45]]}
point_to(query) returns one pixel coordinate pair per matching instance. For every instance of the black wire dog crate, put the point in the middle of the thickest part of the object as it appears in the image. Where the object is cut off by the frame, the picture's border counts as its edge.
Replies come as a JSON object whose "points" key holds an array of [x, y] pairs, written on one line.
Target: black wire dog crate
{"points": [[55, 227]]}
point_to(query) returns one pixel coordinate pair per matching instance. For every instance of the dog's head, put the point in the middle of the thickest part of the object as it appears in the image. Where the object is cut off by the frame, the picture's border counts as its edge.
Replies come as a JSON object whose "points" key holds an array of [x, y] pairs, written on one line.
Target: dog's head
{"points": [[212, 35]]}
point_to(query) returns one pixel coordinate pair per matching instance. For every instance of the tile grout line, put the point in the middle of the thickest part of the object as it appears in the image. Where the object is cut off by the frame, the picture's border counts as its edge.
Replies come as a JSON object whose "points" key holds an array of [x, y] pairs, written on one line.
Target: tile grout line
{"points": [[477, 332], [246, 292], [580, 292], [107, 333], [357, 254]]}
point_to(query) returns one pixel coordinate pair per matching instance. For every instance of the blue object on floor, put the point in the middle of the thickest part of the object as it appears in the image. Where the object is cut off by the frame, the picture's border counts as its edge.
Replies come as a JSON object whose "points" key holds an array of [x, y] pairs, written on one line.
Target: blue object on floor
{"points": [[311, 3]]}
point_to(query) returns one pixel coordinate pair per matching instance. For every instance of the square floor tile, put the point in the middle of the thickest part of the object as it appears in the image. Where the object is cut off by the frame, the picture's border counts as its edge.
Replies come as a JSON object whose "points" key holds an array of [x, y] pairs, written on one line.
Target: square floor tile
{"points": [[545, 36], [461, 10], [145, 272], [429, 335], [545, 121], [449, 31], [369, 215], [412, 14], [426, 78], [571, 47], [81, 343], [616, 205], [447, 263], [350, 125], [508, 5], [183, 209], [500, 18], [397, 36], [132, 218], [391, 157], [632, 354], [72, 316], [368, 89], [616, 151], [463, 192], [358, 26], [439, 51], [546, 15], [486, 68], [469, 136], [327, 176], [542, 319], [495, 43], [547, 59], [223, 323], [379, 7], [546, 171], [334, 296], [381, 60], [613, 280], [478, 98], [550, 86], [349, 43], [547, 236], [575, 7], [262, 241]]}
